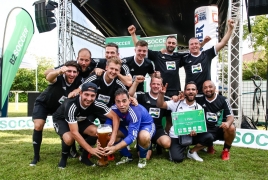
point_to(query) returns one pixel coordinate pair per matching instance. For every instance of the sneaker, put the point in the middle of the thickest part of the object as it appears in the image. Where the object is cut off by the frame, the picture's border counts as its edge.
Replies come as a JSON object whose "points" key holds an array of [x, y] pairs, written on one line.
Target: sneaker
{"points": [[142, 162], [34, 162], [194, 156], [62, 163], [124, 159], [225, 155], [73, 154], [110, 157], [211, 150], [86, 161]]}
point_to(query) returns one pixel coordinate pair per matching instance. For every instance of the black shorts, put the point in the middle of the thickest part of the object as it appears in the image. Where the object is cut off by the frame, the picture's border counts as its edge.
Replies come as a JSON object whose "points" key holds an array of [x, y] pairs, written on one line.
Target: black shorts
{"points": [[40, 111], [158, 133], [217, 134], [62, 127]]}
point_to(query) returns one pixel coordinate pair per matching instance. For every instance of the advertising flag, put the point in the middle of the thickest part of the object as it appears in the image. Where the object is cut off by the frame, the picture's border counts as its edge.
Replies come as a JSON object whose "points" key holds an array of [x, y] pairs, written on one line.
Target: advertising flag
{"points": [[18, 34]]}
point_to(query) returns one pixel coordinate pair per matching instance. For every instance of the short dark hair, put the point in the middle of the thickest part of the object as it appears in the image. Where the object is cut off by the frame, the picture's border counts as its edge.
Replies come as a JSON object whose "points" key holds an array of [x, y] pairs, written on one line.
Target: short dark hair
{"points": [[84, 49], [171, 36], [142, 43], [111, 44], [72, 63], [121, 91], [190, 82]]}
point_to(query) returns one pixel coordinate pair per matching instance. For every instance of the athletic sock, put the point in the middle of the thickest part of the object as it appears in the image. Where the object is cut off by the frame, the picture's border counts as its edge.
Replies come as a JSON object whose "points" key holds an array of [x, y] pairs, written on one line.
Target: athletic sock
{"points": [[124, 151], [37, 140], [91, 140], [226, 146], [73, 147], [64, 154], [143, 151]]}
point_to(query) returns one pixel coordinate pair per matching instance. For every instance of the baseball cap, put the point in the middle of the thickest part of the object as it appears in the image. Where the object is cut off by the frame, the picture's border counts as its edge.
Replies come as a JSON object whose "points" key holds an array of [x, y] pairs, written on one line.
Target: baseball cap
{"points": [[89, 87]]}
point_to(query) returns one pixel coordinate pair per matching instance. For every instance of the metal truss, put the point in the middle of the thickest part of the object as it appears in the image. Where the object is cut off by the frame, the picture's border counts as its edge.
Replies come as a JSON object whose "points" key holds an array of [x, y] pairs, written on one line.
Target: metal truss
{"points": [[65, 51], [88, 35], [235, 61]]}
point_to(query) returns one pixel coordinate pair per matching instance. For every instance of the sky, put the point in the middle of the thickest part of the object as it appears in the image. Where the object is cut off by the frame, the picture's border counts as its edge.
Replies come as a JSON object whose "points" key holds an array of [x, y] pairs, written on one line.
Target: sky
{"points": [[45, 44]]}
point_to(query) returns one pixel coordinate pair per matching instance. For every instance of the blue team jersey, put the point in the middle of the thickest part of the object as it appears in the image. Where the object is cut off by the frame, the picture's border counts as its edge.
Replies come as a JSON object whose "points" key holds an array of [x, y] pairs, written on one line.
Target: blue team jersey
{"points": [[136, 118]]}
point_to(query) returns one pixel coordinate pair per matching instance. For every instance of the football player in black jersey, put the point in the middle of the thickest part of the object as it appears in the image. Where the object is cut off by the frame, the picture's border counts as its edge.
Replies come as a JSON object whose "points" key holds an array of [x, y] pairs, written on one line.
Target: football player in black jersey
{"points": [[219, 118], [70, 122], [63, 81], [111, 50], [148, 100]]}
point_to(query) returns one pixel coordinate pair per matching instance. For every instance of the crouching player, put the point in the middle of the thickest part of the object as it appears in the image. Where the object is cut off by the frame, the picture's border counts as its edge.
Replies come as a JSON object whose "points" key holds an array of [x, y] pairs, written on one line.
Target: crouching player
{"points": [[140, 125]]}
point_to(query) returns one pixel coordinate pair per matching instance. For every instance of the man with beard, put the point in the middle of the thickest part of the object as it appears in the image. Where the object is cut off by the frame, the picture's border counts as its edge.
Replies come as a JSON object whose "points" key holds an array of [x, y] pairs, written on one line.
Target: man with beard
{"points": [[83, 60], [70, 122], [219, 118], [148, 100], [63, 81], [135, 122], [138, 64], [111, 50], [200, 140]]}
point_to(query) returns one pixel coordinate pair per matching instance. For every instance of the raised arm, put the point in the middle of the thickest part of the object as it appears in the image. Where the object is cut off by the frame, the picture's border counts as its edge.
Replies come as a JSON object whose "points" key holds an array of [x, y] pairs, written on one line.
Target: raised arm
{"points": [[52, 76], [132, 32], [139, 79], [160, 100], [226, 37]]}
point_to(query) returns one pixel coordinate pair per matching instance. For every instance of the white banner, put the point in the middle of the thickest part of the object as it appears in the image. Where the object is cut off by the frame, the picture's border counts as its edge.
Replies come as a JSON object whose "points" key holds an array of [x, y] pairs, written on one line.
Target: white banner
{"points": [[17, 123], [257, 139], [206, 24]]}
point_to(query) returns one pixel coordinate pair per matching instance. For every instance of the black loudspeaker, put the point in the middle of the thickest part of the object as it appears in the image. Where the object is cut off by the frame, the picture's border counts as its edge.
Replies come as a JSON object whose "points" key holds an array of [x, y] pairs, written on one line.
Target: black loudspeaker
{"points": [[44, 15], [257, 7], [31, 99]]}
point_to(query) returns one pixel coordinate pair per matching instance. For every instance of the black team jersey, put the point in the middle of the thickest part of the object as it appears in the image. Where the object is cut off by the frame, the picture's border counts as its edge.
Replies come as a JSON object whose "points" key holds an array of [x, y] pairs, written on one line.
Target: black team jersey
{"points": [[139, 69], [215, 110], [197, 68], [168, 65], [72, 111], [55, 94], [101, 63], [149, 103], [105, 91]]}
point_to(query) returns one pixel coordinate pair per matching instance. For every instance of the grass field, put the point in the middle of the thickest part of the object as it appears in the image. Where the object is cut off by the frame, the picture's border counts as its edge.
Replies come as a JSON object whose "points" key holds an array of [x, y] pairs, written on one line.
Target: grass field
{"points": [[16, 154], [17, 110]]}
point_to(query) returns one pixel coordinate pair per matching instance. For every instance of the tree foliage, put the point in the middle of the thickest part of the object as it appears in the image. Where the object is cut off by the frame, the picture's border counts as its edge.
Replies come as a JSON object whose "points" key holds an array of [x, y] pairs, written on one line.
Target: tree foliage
{"points": [[258, 37], [25, 79]]}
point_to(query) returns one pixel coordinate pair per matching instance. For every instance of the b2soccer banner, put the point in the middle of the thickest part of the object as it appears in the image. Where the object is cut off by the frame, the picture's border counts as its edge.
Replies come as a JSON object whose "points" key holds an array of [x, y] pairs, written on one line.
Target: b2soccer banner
{"points": [[18, 34]]}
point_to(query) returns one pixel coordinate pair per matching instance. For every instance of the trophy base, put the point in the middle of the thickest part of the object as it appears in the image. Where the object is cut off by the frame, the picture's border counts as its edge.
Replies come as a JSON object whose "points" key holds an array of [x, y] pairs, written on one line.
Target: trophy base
{"points": [[102, 163]]}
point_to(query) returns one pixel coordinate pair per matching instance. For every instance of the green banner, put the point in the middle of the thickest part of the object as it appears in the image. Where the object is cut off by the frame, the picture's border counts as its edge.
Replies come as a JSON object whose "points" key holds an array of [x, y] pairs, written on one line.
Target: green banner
{"points": [[122, 41], [156, 43], [185, 122], [18, 34]]}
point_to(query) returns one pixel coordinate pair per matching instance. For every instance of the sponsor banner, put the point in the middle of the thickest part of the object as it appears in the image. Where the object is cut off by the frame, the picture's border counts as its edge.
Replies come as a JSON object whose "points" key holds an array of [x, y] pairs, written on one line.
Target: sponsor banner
{"points": [[257, 139], [18, 34], [156, 43], [206, 24], [17, 123]]}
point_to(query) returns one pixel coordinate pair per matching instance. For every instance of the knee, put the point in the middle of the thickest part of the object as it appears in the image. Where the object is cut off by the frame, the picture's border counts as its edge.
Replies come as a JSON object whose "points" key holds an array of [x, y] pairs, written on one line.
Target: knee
{"points": [[166, 143], [68, 139], [231, 130], [144, 141], [177, 159], [39, 125]]}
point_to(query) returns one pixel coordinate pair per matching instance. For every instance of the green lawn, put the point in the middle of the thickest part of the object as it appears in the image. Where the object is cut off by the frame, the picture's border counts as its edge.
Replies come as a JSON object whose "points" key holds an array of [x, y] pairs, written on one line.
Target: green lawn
{"points": [[16, 154]]}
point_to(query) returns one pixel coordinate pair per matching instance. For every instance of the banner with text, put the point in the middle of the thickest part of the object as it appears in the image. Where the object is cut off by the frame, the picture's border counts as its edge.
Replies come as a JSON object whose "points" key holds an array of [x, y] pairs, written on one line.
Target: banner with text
{"points": [[17, 123], [18, 34]]}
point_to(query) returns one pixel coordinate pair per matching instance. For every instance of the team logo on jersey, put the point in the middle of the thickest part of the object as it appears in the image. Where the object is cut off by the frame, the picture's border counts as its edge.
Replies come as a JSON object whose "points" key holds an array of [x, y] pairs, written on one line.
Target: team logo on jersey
{"points": [[154, 112], [80, 118], [104, 99], [197, 68], [64, 88], [132, 69], [163, 57], [204, 105], [171, 65], [56, 127], [149, 102], [99, 87], [62, 99], [212, 117]]}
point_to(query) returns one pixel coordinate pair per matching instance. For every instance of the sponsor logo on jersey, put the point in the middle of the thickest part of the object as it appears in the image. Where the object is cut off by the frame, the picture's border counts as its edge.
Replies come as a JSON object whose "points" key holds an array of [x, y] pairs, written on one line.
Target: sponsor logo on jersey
{"points": [[132, 69]]}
